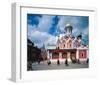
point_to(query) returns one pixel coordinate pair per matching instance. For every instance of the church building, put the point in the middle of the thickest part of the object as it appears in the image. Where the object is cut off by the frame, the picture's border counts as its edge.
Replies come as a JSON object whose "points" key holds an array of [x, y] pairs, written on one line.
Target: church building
{"points": [[68, 47]]}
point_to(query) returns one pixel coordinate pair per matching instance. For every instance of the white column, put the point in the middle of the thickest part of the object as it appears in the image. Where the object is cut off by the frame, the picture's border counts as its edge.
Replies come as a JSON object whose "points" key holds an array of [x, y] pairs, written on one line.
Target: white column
{"points": [[60, 55], [50, 55], [77, 54], [68, 56]]}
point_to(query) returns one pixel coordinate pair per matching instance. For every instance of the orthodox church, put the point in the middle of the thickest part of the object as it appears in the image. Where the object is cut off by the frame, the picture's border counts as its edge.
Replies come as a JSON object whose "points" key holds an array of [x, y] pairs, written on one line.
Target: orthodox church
{"points": [[68, 47]]}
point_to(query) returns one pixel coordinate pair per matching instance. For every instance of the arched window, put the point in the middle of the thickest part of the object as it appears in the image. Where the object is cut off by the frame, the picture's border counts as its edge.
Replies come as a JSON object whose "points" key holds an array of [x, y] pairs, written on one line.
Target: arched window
{"points": [[55, 55], [70, 45], [82, 54], [64, 55]]}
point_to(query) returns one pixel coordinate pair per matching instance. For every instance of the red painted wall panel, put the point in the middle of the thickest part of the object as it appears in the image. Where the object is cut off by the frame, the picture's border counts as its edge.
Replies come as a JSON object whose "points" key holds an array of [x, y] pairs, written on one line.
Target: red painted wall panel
{"points": [[82, 53]]}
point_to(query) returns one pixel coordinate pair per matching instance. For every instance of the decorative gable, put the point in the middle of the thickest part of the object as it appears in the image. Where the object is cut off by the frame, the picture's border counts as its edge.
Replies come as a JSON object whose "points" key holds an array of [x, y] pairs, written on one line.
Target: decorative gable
{"points": [[69, 44]]}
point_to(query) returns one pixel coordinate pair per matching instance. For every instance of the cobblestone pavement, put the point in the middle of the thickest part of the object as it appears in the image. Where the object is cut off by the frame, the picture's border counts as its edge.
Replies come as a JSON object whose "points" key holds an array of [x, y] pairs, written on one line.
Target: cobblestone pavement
{"points": [[54, 66]]}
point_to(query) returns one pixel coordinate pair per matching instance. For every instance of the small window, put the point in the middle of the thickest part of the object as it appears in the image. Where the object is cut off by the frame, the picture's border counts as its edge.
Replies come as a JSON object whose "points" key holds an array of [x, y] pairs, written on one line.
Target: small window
{"points": [[82, 55], [70, 45]]}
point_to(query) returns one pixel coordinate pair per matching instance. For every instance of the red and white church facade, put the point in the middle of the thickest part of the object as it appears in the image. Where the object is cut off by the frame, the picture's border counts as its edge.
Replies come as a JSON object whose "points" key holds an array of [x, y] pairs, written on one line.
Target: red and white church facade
{"points": [[68, 47]]}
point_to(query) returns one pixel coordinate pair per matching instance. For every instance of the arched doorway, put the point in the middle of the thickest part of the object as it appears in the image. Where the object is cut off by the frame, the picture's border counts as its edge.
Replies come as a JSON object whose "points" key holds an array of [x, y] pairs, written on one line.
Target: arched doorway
{"points": [[73, 57], [64, 55], [55, 55]]}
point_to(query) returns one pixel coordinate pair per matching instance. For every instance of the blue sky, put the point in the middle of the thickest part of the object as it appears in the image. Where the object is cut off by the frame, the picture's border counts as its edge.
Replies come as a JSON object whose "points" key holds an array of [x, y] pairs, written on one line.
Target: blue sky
{"points": [[43, 29]]}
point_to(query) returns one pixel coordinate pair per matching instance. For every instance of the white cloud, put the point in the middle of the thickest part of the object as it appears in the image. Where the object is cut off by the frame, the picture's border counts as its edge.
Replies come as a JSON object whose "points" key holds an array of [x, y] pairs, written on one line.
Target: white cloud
{"points": [[62, 22], [45, 23], [85, 34], [85, 31], [39, 34], [76, 31], [40, 38], [75, 20]]}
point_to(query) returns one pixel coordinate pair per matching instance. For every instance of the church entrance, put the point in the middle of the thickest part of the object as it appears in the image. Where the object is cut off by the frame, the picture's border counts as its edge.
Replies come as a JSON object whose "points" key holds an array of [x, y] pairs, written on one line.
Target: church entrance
{"points": [[73, 56], [64, 55]]}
